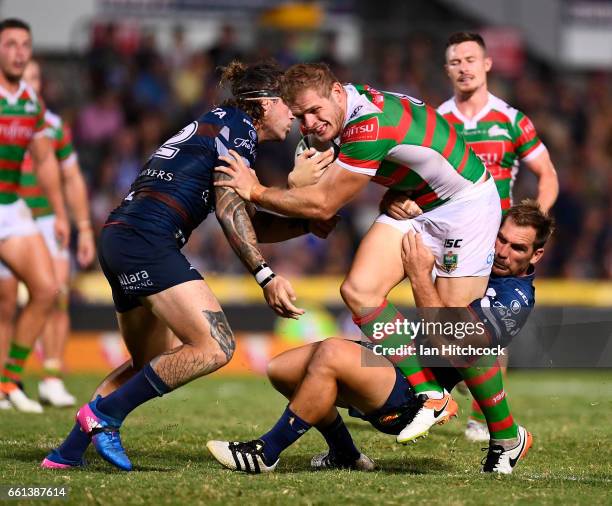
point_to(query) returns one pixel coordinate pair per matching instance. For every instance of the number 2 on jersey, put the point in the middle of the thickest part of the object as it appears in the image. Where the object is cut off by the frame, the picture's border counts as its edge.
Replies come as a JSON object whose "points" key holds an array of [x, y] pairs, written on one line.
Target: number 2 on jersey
{"points": [[168, 149]]}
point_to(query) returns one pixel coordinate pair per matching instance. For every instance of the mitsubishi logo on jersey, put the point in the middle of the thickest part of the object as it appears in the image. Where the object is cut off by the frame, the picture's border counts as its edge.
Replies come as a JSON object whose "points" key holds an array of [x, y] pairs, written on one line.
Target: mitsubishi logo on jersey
{"points": [[15, 131], [496, 130], [30, 107]]}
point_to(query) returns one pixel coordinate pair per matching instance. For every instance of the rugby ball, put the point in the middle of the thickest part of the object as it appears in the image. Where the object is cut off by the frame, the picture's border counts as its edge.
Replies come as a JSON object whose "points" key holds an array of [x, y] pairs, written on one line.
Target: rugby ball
{"points": [[310, 141]]}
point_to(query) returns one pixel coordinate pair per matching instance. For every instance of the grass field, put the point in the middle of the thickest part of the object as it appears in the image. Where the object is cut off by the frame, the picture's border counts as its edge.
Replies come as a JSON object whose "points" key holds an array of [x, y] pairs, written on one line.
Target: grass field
{"points": [[569, 413]]}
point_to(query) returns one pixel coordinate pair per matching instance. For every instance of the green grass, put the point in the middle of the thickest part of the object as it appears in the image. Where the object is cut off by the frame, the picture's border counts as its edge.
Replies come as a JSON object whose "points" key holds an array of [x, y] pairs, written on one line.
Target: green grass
{"points": [[569, 413]]}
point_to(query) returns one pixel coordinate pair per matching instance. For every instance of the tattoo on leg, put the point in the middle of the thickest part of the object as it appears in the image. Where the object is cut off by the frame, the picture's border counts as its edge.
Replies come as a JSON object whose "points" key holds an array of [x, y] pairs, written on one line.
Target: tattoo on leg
{"points": [[182, 364], [187, 362], [221, 332]]}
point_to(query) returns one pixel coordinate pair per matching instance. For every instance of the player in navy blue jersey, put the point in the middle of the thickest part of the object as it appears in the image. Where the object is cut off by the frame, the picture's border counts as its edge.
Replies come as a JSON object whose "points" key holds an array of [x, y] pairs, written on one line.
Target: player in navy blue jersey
{"points": [[336, 372], [158, 295]]}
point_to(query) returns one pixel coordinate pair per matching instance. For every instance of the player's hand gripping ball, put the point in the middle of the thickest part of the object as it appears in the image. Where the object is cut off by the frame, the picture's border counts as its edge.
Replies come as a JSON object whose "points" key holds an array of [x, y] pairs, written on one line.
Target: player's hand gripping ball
{"points": [[310, 141]]}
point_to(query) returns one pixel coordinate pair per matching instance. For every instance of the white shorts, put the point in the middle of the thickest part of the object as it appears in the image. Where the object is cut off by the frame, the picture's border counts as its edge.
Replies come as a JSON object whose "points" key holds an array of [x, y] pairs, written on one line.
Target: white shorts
{"points": [[44, 226], [16, 220], [461, 233]]}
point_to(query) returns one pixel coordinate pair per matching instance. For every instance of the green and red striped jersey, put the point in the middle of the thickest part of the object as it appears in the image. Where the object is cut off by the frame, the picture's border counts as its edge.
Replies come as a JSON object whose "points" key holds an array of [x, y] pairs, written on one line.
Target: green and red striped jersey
{"points": [[21, 119], [29, 189], [501, 136], [406, 145]]}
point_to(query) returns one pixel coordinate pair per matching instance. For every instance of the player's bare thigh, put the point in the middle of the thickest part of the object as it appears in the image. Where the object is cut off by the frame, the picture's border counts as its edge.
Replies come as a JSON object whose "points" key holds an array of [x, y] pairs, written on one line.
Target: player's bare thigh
{"points": [[364, 380], [460, 292], [30, 261], [376, 269]]}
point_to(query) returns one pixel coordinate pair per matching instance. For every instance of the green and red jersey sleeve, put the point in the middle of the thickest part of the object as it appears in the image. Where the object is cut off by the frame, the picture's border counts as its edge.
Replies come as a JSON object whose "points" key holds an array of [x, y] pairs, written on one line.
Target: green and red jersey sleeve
{"points": [[525, 138]]}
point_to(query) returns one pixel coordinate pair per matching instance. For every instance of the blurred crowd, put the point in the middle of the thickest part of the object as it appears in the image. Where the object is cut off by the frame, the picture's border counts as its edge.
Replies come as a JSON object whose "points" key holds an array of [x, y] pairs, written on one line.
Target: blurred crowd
{"points": [[124, 97]]}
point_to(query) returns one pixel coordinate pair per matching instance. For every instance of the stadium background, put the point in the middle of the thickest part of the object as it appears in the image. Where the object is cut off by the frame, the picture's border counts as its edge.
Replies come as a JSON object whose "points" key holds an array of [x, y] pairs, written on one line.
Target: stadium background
{"points": [[127, 74]]}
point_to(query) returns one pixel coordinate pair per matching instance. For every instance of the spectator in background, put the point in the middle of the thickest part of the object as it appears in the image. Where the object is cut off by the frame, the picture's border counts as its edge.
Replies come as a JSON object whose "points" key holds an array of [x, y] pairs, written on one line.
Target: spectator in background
{"points": [[226, 49]]}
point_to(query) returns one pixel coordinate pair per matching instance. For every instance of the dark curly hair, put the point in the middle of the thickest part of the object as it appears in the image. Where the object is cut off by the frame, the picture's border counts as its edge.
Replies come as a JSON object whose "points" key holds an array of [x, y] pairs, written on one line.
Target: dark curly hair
{"points": [[258, 80]]}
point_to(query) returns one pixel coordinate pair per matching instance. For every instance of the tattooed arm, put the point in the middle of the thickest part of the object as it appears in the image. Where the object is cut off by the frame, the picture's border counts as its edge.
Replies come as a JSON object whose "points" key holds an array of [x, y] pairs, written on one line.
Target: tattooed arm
{"points": [[236, 223], [274, 228]]}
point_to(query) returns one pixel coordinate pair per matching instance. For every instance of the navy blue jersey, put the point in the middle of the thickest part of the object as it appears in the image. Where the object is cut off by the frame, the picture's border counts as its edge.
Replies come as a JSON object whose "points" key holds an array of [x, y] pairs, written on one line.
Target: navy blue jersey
{"points": [[174, 192], [506, 306]]}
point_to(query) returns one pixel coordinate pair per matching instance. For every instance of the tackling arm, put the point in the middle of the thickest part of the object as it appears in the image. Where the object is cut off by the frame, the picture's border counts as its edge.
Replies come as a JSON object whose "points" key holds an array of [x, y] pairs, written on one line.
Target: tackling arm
{"points": [[320, 201], [236, 223]]}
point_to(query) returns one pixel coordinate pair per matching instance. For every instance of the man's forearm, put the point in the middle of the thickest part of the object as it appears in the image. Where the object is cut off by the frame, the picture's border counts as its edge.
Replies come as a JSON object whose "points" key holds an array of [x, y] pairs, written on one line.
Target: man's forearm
{"points": [[47, 173], [424, 290], [76, 196], [304, 202], [272, 228], [234, 218], [548, 190]]}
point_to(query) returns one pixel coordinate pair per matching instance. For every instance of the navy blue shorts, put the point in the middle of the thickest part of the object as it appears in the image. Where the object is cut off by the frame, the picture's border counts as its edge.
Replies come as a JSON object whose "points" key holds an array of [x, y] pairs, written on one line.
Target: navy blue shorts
{"points": [[402, 404], [138, 263], [399, 408]]}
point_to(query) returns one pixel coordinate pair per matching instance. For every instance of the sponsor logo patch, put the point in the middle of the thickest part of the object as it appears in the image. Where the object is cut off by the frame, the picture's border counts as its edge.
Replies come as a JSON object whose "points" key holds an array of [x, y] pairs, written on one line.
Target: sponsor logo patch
{"points": [[364, 131], [496, 130], [134, 281], [450, 262], [355, 112], [490, 153]]}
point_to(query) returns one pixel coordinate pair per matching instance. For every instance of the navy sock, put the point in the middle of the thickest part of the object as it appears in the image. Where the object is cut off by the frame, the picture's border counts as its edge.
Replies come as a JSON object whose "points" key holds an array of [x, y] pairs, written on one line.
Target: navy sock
{"points": [[140, 388], [74, 445], [287, 431], [339, 440]]}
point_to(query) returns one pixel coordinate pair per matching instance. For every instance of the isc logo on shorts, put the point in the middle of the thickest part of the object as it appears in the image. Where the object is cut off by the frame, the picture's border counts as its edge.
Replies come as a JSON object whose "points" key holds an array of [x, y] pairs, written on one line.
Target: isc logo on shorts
{"points": [[134, 281]]}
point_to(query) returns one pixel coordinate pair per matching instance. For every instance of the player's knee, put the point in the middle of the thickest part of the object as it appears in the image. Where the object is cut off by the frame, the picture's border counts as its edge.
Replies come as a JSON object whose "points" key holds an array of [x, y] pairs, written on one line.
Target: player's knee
{"points": [[275, 370], [350, 294], [358, 298], [328, 355], [223, 352], [45, 294]]}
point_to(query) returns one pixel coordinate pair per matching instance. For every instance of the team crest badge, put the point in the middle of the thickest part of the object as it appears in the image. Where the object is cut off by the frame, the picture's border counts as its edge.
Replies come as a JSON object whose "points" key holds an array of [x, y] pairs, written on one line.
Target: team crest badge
{"points": [[449, 262]]}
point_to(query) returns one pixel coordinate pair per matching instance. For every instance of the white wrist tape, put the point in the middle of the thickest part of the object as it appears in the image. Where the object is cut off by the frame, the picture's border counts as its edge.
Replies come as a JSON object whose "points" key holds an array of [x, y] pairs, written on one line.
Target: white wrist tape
{"points": [[263, 275]]}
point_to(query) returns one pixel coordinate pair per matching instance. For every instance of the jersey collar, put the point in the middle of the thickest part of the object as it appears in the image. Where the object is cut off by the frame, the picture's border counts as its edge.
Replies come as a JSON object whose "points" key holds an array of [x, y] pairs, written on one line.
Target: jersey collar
{"points": [[12, 98], [471, 123], [357, 105]]}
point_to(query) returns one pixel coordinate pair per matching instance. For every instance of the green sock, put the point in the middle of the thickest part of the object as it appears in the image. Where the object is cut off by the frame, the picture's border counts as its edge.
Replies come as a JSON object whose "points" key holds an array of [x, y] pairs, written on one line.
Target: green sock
{"points": [[384, 326], [13, 368], [485, 382]]}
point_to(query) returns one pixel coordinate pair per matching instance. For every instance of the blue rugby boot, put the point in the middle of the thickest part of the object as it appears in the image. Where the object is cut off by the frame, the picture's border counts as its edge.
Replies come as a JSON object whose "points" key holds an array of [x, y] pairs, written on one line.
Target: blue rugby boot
{"points": [[104, 433]]}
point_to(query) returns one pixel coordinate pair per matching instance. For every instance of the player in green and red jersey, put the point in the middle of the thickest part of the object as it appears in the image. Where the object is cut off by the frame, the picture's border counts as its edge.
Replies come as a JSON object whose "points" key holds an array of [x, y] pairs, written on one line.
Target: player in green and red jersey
{"points": [[51, 389], [405, 145], [500, 135], [22, 247]]}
